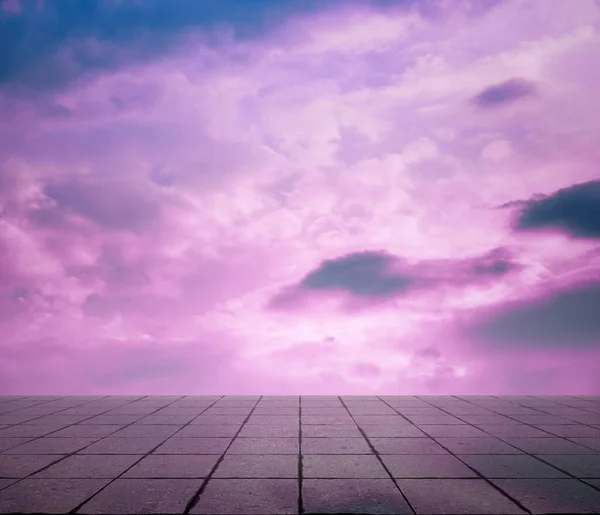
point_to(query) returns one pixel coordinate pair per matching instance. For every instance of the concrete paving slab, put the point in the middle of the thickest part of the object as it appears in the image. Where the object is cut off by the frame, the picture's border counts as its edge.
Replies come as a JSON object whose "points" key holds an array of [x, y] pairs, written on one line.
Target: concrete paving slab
{"points": [[114, 445], [517, 430], [49, 445], [215, 454], [10, 442], [552, 495], [249, 496], [173, 466], [420, 446], [452, 496], [335, 446], [490, 445], [571, 431], [337, 431], [587, 466], [591, 443], [392, 431], [88, 467], [426, 466], [548, 446], [78, 431], [368, 496], [6, 482], [168, 420], [342, 466], [129, 496], [48, 495], [264, 446], [147, 430], [258, 466], [511, 466], [208, 431], [262, 431], [193, 445], [453, 430]]}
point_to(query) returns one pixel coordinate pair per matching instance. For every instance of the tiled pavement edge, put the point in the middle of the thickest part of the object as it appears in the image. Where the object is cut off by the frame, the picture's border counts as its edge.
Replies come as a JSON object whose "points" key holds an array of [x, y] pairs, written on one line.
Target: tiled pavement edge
{"points": [[291, 455]]}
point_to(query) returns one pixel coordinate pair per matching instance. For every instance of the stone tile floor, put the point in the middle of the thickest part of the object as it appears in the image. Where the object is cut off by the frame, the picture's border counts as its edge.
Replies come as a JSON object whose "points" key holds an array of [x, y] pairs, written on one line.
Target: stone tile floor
{"points": [[309, 454]]}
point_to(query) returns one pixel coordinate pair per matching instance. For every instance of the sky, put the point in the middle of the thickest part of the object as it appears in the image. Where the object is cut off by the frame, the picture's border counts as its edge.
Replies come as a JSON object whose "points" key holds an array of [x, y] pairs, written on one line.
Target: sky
{"points": [[285, 197]]}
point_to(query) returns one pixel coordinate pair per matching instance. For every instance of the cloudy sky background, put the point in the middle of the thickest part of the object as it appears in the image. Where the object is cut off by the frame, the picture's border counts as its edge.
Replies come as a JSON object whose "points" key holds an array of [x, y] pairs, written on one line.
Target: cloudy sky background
{"points": [[299, 197]]}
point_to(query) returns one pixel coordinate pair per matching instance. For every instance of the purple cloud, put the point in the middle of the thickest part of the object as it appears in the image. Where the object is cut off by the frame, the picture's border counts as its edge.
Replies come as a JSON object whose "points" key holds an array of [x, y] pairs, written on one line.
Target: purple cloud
{"points": [[505, 93], [574, 210], [378, 275], [567, 318], [161, 189]]}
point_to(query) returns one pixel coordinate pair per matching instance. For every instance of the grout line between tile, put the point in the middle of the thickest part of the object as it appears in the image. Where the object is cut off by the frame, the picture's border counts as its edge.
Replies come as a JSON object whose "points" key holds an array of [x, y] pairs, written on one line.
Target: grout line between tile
{"points": [[80, 505], [481, 476], [376, 454], [196, 497]]}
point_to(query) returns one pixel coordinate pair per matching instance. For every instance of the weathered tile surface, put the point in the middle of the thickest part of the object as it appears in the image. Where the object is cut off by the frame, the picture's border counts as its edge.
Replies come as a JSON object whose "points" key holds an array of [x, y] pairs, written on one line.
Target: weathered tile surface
{"points": [[316, 454]]}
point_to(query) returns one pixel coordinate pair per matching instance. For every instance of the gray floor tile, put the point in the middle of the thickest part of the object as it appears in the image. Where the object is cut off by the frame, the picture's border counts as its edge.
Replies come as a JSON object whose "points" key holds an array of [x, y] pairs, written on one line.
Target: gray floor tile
{"points": [[369, 496], [407, 446], [362, 420], [580, 466], [78, 431], [488, 419], [591, 443], [48, 495], [111, 419], [392, 431], [262, 431], [112, 445], [173, 466], [452, 496], [48, 445], [342, 466], [27, 430], [516, 431], [58, 419], [128, 496], [337, 431], [6, 482], [453, 430], [88, 467], [219, 420], [168, 420], [258, 466], [19, 466], [207, 431], [326, 420], [541, 419], [489, 445], [142, 430], [194, 446], [432, 420], [548, 446], [249, 496], [577, 431], [552, 495], [264, 446], [511, 466], [426, 466], [335, 446], [10, 442]]}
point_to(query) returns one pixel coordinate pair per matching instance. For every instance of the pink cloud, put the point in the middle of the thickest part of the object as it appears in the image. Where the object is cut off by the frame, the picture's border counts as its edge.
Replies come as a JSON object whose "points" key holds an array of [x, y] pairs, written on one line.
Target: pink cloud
{"points": [[149, 213]]}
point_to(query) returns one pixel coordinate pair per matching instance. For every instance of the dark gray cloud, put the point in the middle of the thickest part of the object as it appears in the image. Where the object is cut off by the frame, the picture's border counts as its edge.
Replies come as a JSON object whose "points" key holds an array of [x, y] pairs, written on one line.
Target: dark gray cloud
{"points": [[504, 93], [362, 273], [564, 318], [111, 203], [574, 210], [378, 275]]}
